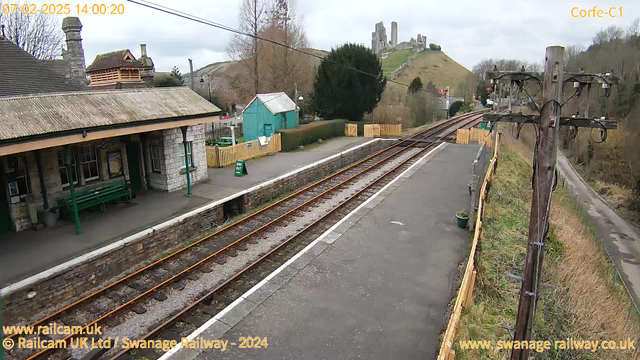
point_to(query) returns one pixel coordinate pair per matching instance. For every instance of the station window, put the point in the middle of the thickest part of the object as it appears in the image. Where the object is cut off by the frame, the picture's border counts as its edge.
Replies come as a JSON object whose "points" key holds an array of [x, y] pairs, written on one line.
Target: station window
{"points": [[64, 173], [89, 160], [156, 159], [189, 154], [19, 182]]}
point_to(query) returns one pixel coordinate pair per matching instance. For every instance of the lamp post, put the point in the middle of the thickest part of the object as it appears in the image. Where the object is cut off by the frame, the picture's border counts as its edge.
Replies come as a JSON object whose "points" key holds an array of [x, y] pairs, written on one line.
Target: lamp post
{"points": [[297, 97]]}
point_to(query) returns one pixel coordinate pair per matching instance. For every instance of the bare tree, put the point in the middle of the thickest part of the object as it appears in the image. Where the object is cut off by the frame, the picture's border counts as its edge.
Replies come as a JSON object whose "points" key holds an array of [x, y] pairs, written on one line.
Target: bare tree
{"points": [[38, 34], [246, 49], [634, 28], [286, 67], [572, 51], [611, 34], [482, 67]]}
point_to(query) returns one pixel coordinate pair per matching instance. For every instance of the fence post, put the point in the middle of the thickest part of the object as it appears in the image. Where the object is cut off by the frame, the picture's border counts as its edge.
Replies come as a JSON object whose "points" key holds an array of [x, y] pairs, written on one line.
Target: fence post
{"points": [[217, 154]]}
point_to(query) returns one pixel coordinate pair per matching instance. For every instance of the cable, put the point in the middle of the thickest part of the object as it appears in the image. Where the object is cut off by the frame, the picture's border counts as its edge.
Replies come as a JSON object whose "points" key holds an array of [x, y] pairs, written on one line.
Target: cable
{"points": [[187, 16]]}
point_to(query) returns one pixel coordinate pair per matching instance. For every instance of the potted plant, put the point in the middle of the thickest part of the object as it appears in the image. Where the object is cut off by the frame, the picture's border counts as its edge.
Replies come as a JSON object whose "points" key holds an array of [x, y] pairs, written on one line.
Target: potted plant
{"points": [[463, 218]]}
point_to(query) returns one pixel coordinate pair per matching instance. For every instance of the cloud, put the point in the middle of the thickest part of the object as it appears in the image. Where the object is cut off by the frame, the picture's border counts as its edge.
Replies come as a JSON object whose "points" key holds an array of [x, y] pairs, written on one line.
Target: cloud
{"points": [[468, 31]]}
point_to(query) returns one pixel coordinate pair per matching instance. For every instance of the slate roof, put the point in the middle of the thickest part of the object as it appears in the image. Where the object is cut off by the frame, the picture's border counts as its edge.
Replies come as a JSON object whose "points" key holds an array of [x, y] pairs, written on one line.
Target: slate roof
{"points": [[22, 74], [276, 102], [113, 60], [25, 116]]}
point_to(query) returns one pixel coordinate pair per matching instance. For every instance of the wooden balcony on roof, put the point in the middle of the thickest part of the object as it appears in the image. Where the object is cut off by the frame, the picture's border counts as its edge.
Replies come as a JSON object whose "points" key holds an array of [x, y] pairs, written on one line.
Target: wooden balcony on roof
{"points": [[115, 75]]}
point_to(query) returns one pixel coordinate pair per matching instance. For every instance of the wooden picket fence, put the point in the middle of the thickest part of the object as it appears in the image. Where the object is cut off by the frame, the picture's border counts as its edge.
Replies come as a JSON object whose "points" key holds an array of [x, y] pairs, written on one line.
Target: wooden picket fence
{"points": [[464, 299], [225, 156], [377, 130], [351, 130]]}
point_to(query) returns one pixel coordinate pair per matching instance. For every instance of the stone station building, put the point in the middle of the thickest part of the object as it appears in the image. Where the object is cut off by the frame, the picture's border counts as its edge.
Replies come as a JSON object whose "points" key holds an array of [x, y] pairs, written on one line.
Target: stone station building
{"points": [[131, 135]]}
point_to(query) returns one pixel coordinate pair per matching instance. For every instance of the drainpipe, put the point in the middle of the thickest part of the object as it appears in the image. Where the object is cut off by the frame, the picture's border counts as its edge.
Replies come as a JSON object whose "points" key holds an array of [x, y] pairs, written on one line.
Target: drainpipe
{"points": [[74, 205], [41, 177], [186, 158]]}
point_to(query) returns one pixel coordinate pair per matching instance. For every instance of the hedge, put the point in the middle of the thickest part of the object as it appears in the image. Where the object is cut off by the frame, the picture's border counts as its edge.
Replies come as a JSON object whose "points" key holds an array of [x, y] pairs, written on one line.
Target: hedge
{"points": [[310, 133]]}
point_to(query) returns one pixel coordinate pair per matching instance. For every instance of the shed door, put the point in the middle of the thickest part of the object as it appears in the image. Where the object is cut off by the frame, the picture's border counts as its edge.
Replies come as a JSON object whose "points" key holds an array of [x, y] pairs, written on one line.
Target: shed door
{"points": [[268, 130]]}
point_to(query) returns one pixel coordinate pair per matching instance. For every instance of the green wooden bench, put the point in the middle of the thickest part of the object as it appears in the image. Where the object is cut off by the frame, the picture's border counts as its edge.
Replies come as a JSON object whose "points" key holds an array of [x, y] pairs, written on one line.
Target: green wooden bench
{"points": [[86, 199]]}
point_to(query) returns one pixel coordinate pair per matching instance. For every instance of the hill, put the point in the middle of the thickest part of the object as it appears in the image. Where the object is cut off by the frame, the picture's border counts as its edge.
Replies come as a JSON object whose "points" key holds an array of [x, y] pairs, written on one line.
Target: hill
{"points": [[429, 65]]}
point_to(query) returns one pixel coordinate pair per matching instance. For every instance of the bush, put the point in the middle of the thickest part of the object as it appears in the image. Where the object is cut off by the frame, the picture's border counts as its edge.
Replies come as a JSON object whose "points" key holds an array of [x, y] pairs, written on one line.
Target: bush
{"points": [[433, 46], [310, 133]]}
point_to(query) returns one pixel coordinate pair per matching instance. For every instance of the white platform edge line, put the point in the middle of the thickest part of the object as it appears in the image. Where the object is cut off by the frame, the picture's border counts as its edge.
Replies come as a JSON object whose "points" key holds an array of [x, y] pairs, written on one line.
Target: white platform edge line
{"points": [[132, 238], [257, 286]]}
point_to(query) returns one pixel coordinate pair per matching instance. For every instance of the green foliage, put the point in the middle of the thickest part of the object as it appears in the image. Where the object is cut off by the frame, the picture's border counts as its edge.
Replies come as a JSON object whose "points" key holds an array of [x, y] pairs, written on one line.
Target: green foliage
{"points": [[340, 92], [424, 108], [481, 91], [455, 107], [416, 85], [175, 73], [167, 81], [395, 59], [433, 46], [310, 133]]}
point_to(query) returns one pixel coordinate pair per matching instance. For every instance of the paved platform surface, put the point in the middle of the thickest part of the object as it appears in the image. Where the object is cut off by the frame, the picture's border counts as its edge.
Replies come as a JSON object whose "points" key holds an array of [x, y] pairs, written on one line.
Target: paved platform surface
{"points": [[29, 252], [621, 238], [375, 287]]}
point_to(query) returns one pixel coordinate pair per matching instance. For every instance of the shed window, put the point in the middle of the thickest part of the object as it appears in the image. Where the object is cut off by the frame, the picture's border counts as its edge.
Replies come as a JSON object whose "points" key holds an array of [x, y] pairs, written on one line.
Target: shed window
{"points": [[64, 173], [189, 154], [89, 162], [156, 159]]}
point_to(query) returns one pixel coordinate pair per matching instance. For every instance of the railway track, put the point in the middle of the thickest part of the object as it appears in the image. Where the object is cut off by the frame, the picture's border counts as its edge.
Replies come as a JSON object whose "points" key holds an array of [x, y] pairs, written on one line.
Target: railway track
{"points": [[108, 307]]}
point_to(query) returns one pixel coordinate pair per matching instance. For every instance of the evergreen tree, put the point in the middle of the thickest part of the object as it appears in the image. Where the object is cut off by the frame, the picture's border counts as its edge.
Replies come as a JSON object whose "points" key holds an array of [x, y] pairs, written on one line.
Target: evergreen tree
{"points": [[175, 72], [341, 92], [416, 85]]}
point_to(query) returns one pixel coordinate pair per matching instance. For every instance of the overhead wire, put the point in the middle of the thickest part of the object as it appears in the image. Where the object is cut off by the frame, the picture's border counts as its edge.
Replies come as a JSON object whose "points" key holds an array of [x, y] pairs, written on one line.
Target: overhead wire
{"points": [[194, 18]]}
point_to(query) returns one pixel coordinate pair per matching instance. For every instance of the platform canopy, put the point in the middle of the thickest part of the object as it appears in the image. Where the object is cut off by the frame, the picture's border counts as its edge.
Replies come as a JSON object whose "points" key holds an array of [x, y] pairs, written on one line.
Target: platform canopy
{"points": [[39, 121]]}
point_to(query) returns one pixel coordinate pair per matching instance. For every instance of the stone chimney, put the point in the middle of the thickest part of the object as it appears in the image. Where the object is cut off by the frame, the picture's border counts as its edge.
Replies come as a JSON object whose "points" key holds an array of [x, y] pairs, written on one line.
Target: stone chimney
{"points": [[149, 71], [74, 55]]}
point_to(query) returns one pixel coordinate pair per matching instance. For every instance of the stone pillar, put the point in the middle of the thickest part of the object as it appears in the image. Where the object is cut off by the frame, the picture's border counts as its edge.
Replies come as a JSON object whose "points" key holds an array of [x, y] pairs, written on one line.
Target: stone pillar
{"points": [[394, 34], [74, 55]]}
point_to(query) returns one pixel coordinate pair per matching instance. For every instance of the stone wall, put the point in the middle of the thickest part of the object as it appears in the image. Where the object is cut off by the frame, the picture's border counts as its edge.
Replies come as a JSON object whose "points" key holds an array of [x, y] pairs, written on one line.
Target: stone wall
{"points": [[65, 287], [299, 180], [174, 157], [58, 288]]}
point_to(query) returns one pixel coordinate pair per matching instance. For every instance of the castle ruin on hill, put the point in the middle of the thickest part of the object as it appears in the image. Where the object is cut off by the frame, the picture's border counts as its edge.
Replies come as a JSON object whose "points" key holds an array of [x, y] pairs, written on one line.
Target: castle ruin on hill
{"points": [[380, 42]]}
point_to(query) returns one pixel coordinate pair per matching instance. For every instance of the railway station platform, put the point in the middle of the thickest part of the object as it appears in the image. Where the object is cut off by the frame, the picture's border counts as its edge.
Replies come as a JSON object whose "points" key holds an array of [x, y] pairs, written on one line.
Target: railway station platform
{"points": [[374, 286], [32, 252]]}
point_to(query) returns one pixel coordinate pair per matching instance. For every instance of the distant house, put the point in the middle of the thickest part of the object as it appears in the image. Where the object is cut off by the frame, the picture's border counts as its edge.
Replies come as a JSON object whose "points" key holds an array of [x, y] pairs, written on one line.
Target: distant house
{"points": [[121, 70], [55, 131], [268, 113]]}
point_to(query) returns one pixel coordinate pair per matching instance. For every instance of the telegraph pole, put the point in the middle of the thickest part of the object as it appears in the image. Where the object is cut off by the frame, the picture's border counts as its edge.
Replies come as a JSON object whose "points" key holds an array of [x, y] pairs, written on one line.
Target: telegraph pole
{"points": [[545, 163], [191, 74]]}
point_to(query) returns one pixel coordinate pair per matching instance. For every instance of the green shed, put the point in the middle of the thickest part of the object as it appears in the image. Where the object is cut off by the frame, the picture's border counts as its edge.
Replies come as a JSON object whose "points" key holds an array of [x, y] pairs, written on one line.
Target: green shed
{"points": [[268, 113]]}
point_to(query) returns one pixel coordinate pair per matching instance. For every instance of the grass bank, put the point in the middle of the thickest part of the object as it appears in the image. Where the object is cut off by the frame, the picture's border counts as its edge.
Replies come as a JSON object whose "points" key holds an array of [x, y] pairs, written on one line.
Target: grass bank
{"points": [[585, 302]]}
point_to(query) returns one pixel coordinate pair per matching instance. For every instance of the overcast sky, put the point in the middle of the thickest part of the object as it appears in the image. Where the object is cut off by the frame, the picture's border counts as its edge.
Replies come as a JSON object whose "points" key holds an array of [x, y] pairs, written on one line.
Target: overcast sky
{"points": [[468, 31]]}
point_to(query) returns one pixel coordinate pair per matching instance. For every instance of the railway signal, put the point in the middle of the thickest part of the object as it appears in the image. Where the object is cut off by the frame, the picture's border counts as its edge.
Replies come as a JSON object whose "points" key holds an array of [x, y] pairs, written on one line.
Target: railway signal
{"points": [[547, 128]]}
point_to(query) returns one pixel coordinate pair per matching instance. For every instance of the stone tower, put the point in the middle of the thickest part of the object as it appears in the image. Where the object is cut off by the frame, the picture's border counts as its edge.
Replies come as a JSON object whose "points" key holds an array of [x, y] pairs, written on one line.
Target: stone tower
{"points": [[394, 34], [74, 54], [149, 71]]}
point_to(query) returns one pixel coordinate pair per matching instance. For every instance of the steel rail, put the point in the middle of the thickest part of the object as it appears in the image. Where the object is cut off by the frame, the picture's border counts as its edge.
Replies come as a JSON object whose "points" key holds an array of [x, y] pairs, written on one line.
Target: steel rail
{"points": [[431, 130], [121, 280], [258, 261]]}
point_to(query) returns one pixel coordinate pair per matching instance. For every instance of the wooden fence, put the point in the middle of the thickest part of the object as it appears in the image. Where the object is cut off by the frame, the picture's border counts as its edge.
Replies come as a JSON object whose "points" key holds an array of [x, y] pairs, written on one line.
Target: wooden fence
{"points": [[225, 156], [377, 130], [464, 136], [371, 130], [464, 298], [351, 130]]}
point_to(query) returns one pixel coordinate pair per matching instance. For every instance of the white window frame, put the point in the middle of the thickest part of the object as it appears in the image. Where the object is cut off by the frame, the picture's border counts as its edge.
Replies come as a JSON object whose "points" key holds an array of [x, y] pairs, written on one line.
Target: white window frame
{"points": [[189, 153], [22, 166], [91, 151], [156, 158], [75, 168]]}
